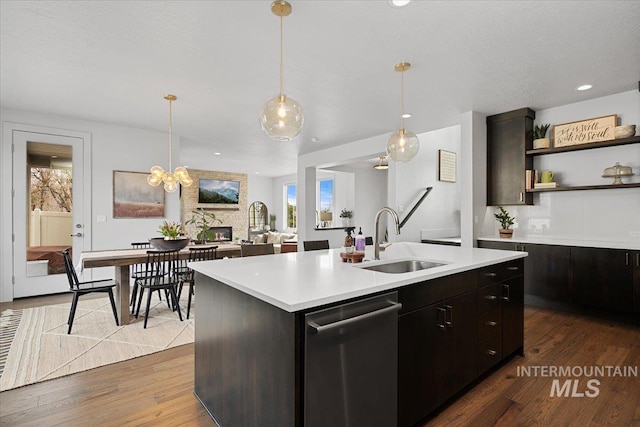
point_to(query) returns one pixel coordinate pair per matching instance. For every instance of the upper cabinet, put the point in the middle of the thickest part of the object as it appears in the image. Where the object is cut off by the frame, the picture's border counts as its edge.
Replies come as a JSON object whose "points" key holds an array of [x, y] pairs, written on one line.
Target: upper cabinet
{"points": [[509, 136]]}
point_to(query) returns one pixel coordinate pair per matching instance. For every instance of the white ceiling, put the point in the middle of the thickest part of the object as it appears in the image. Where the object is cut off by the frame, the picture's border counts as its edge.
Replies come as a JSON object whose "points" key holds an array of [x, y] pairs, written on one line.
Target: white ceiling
{"points": [[112, 61]]}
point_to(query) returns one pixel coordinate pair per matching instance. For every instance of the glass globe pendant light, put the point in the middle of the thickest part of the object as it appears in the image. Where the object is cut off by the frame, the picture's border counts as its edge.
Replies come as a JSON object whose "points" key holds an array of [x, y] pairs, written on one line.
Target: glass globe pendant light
{"points": [[179, 175], [403, 145], [281, 117]]}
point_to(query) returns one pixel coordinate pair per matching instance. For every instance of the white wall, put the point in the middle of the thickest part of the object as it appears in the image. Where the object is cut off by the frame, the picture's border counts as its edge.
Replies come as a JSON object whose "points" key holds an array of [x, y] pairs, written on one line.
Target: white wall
{"points": [[603, 215], [439, 213]]}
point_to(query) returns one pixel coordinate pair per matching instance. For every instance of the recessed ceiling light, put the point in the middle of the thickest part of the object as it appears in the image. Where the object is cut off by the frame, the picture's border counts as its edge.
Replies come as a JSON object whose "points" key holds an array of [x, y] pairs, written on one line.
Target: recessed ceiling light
{"points": [[257, 173], [314, 139], [54, 157], [217, 154], [406, 115], [399, 3], [584, 87]]}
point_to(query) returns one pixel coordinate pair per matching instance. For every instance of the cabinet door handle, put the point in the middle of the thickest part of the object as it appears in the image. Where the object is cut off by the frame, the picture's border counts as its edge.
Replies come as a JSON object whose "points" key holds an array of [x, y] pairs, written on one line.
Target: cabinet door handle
{"points": [[626, 259], [490, 297], [638, 259], [505, 297], [449, 322], [444, 314], [513, 268], [492, 352], [490, 274], [491, 323]]}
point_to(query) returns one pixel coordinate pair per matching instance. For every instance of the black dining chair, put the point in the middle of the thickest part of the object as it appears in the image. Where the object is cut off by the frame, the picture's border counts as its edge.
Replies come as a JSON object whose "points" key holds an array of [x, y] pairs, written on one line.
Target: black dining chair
{"points": [[195, 254], [137, 270], [82, 288], [159, 269], [315, 245], [257, 249]]}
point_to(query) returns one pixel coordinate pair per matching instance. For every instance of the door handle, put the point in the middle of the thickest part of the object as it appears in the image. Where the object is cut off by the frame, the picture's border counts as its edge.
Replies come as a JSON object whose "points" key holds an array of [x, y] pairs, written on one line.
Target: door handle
{"points": [[505, 287], [491, 323], [490, 297], [340, 323], [444, 318], [449, 309], [78, 234]]}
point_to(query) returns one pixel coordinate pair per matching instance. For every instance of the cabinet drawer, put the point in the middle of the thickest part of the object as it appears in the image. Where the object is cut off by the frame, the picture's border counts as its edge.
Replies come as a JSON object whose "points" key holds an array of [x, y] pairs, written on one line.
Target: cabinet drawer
{"points": [[489, 297], [430, 292], [498, 272], [489, 323], [489, 352]]}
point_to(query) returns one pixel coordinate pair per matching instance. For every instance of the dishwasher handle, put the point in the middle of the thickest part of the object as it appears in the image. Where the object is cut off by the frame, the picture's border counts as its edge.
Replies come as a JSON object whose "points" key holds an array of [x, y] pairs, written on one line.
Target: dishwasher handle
{"points": [[318, 329]]}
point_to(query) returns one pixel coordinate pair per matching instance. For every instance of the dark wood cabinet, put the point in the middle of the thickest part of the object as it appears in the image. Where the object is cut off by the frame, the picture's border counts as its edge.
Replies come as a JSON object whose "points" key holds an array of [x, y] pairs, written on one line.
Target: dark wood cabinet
{"points": [[603, 277], [509, 136], [437, 355], [546, 268], [636, 281], [500, 308]]}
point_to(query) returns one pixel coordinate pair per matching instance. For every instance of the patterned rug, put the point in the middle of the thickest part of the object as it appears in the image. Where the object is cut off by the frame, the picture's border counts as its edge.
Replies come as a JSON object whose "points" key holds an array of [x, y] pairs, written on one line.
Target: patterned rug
{"points": [[34, 345]]}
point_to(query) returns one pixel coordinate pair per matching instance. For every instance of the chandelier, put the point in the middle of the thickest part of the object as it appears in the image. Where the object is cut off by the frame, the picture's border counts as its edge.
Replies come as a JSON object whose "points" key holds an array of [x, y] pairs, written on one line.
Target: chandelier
{"points": [[179, 175]]}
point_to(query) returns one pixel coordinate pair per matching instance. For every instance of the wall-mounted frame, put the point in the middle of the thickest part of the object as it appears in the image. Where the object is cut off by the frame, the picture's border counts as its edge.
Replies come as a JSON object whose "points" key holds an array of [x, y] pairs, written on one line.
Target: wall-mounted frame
{"points": [[133, 197], [446, 166], [586, 131]]}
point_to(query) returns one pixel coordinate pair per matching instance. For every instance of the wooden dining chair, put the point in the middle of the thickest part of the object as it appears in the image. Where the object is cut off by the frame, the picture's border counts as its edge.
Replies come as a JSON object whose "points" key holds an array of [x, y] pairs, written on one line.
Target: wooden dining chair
{"points": [[159, 276], [82, 288], [288, 247], [195, 254], [315, 245], [257, 249]]}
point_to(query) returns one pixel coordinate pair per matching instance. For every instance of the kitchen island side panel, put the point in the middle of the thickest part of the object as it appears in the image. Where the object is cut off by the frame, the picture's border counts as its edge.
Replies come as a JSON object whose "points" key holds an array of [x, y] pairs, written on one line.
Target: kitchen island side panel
{"points": [[245, 357]]}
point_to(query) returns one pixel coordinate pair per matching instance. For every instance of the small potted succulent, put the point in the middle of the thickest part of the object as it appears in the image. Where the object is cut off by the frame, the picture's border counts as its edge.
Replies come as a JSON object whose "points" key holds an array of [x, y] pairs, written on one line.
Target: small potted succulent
{"points": [[346, 216], [540, 139], [506, 221]]}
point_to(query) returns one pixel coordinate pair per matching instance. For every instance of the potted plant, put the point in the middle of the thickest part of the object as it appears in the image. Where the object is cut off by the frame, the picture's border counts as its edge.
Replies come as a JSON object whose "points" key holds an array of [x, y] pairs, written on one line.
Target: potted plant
{"points": [[540, 139], [203, 220], [346, 216], [505, 221], [170, 230]]}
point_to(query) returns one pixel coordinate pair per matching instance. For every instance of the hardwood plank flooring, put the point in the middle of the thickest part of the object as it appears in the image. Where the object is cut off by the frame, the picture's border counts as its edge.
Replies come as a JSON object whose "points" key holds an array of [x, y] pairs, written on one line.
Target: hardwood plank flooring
{"points": [[157, 390]]}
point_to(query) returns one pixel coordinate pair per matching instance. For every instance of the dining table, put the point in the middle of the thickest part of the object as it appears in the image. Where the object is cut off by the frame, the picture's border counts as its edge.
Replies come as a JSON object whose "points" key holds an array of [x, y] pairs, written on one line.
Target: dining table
{"points": [[123, 259]]}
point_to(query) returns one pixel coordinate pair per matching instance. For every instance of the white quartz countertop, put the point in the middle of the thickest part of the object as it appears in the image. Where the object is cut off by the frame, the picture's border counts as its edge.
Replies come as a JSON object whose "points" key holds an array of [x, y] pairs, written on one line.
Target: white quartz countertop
{"points": [[566, 242], [301, 280]]}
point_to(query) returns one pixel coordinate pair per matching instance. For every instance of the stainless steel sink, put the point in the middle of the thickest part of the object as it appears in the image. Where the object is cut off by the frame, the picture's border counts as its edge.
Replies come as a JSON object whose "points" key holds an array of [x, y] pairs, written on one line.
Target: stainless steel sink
{"points": [[406, 266]]}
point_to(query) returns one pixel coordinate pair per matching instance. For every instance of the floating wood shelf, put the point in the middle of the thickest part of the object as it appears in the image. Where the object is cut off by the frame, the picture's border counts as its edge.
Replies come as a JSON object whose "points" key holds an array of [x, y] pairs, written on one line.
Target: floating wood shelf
{"points": [[586, 187], [612, 143]]}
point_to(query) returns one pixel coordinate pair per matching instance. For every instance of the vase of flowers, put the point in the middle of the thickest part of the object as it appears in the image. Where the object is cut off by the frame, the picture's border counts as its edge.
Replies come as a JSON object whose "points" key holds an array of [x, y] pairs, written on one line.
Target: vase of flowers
{"points": [[173, 237]]}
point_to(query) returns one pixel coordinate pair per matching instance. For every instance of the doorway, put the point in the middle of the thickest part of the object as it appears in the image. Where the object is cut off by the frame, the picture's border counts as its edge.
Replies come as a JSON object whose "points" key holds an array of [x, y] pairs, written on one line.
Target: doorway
{"points": [[48, 210]]}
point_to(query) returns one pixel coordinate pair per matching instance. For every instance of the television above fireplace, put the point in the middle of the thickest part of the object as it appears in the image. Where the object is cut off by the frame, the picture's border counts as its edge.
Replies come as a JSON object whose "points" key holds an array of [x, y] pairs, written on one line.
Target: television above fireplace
{"points": [[218, 192]]}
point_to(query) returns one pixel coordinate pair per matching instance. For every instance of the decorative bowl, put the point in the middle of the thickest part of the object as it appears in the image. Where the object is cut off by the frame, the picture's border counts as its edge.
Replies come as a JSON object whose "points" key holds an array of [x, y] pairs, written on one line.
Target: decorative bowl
{"points": [[161, 244], [624, 131]]}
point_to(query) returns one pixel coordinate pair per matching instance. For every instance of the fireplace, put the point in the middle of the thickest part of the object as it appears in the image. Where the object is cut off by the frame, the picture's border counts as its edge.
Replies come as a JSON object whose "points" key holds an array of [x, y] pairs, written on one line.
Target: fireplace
{"points": [[222, 234]]}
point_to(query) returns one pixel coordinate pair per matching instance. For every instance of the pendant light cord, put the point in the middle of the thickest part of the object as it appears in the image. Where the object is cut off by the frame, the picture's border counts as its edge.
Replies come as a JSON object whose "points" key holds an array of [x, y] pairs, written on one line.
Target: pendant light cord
{"points": [[281, 57], [402, 100], [170, 133]]}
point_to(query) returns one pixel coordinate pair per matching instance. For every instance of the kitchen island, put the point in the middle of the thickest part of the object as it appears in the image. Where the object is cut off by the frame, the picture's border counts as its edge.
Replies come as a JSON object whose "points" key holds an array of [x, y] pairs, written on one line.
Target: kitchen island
{"points": [[253, 357]]}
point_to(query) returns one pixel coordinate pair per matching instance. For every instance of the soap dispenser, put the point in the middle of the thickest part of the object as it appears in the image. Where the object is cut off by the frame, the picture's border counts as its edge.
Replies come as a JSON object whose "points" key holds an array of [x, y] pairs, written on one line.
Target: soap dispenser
{"points": [[360, 241], [348, 240]]}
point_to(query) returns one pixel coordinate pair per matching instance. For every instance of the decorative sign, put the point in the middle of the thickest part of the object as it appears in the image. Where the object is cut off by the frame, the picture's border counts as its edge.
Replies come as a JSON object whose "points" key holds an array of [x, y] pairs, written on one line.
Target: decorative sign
{"points": [[446, 166], [585, 131]]}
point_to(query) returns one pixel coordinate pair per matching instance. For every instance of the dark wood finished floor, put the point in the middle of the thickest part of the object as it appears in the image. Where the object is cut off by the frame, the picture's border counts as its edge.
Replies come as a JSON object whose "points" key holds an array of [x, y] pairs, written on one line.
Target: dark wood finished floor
{"points": [[157, 390]]}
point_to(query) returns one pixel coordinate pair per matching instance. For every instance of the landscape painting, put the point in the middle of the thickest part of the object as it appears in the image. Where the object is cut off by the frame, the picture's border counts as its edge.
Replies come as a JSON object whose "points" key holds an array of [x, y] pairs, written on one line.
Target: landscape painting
{"points": [[133, 197], [217, 191]]}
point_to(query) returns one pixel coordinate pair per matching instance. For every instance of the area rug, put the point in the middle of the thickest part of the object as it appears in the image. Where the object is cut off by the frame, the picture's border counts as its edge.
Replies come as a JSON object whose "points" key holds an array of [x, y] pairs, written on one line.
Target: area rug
{"points": [[35, 345]]}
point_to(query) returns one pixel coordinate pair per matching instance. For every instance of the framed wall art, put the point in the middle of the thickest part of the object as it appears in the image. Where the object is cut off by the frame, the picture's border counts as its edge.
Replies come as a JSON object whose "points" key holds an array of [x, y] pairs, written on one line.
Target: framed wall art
{"points": [[133, 197], [446, 166]]}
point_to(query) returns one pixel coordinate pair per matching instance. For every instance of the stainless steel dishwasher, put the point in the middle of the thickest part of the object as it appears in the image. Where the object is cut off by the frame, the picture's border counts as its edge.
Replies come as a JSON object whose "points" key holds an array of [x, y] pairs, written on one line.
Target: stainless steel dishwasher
{"points": [[351, 364]]}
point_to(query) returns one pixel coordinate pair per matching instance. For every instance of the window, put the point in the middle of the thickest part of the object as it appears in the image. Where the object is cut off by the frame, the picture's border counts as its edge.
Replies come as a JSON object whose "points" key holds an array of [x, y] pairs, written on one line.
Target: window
{"points": [[324, 200], [292, 214]]}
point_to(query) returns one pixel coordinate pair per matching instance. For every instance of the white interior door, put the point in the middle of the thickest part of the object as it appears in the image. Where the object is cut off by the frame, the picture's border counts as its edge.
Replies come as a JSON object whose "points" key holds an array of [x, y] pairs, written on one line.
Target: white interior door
{"points": [[41, 233]]}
